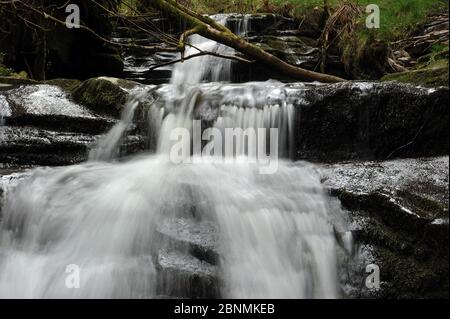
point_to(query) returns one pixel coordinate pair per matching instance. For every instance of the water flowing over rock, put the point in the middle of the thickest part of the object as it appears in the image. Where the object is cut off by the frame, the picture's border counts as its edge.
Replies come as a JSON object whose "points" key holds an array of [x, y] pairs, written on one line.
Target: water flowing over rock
{"points": [[44, 127], [139, 225], [255, 228], [349, 121], [278, 35], [272, 241]]}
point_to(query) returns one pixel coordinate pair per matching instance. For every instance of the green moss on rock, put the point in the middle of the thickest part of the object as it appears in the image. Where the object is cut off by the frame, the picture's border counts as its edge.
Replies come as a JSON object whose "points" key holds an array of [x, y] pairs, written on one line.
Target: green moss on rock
{"points": [[432, 71], [4, 71], [67, 85], [101, 96], [13, 80], [412, 251], [408, 277]]}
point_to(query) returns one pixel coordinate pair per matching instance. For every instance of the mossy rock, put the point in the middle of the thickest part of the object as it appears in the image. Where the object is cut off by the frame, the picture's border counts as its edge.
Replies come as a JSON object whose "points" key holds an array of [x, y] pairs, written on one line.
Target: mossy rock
{"points": [[412, 251], [4, 71], [407, 277], [67, 85], [101, 96], [124, 84], [14, 80], [434, 74]]}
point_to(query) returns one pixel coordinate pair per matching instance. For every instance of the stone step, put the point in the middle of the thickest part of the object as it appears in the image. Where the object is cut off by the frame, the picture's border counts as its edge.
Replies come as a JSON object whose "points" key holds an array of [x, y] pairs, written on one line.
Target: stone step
{"points": [[35, 146], [183, 275], [189, 202], [62, 123], [32, 146], [199, 238]]}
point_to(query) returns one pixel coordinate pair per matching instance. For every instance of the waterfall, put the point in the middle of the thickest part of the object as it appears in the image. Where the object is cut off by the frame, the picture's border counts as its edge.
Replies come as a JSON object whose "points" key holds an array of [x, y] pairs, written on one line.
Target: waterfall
{"points": [[4, 111], [107, 147], [207, 68], [274, 234]]}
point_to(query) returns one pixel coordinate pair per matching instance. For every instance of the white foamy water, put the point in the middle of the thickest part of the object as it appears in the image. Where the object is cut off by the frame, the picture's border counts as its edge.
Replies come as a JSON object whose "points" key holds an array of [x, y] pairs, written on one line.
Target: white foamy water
{"points": [[276, 239], [5, 109], [207, 68], [275, 232], [107, 147]]}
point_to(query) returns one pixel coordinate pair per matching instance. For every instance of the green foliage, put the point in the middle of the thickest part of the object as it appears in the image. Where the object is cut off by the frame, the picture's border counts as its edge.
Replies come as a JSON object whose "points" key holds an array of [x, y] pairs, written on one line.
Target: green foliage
{"points": [[400, 16], [128, 7], [397, 16], [4, 71], [437, 48], [431, 73]]}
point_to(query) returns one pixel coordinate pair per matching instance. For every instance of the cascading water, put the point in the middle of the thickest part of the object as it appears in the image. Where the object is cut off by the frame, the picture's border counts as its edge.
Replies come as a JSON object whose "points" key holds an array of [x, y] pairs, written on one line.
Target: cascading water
{"points": [[4, 109], [208, 67], [274, 235]]}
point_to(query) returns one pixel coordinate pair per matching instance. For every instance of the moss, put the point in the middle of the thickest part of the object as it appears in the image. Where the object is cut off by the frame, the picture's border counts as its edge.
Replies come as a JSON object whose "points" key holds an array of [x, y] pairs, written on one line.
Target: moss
{"points": [[16, 80], [4, 71], [20, 75], [431, 71], [413, 259], [101, 96], [67, 85], [407, 277], [439, 53], [8, 76], [435, 75]]}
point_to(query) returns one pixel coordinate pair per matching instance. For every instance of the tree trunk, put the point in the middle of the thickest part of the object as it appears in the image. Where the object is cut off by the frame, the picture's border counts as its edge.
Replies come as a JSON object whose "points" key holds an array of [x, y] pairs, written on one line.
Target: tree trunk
{"points": [[212, 30]]}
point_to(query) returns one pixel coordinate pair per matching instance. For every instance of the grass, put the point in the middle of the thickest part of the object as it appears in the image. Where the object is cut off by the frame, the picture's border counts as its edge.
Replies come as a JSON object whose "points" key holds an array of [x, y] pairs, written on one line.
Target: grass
{"points": [[396, 16], [431, 71]]}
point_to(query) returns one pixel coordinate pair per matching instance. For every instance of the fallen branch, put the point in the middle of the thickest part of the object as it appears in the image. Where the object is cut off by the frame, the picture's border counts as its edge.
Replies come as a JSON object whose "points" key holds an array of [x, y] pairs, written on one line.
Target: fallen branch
{"points": [[212, 30], [200, 54]]}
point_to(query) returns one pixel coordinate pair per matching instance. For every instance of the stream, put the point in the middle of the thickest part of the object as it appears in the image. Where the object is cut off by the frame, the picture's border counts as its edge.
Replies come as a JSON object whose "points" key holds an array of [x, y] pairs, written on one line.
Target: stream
{"points": [[142, 226]]}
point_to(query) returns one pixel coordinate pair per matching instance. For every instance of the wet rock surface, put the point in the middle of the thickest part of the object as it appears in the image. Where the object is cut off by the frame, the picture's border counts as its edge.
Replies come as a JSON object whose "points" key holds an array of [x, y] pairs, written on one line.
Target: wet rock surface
{"points": [[276, 34], [199, 238], [399, 207], [400, 212], [183, 275], [346, 121], [30, 146], [41, 125], [372, 121]]}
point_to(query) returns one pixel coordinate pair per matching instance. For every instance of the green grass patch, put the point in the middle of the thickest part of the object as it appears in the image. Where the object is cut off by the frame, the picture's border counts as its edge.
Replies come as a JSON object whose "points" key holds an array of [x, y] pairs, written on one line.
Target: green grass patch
{"points": [[396, 16]]}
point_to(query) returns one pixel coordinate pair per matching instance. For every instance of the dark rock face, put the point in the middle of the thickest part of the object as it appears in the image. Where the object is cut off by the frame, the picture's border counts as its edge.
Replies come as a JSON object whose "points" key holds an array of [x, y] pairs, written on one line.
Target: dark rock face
{"points": [[283, 38], [61, 52], [400, 210], [346, 121], [29, 146], [39, 125], [372, 121], [278, 35]]}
